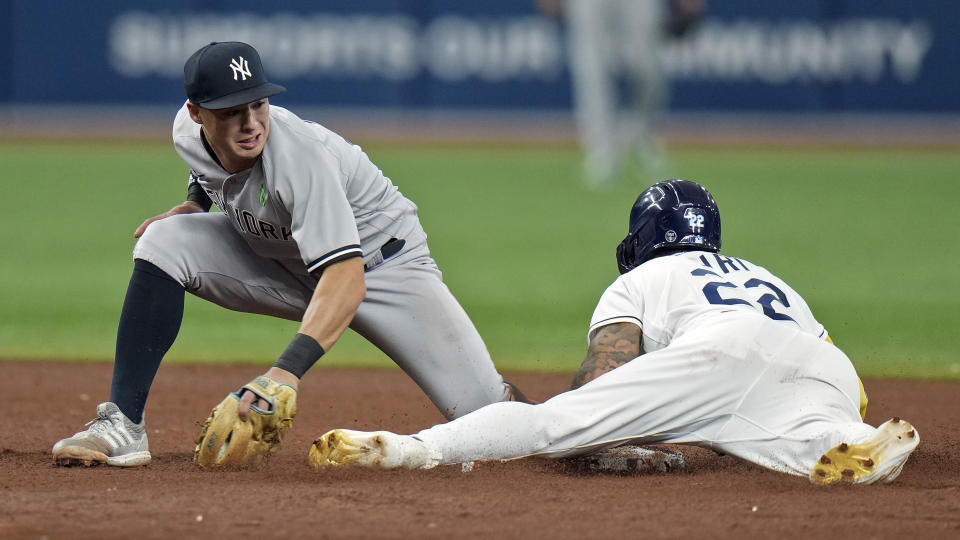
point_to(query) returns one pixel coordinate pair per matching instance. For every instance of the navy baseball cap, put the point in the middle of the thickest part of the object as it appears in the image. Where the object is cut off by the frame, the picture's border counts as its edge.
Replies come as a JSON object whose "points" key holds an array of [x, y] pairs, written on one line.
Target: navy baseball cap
{"points": [[226, 74]]}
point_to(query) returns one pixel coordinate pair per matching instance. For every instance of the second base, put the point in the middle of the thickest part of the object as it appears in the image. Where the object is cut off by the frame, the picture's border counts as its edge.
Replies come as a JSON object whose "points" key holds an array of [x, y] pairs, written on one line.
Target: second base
{"points": [[628, 460]]}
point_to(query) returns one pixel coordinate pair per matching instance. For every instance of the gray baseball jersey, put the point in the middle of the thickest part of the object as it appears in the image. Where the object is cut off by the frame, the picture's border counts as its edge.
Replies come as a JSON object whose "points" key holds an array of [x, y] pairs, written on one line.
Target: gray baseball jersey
{"points": [[312, 200]]}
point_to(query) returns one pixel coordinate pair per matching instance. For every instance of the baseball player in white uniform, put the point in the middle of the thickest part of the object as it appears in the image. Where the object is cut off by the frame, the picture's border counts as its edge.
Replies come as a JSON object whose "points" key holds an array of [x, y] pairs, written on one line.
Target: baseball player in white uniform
{"points": [[310, 230], [687, 346]]}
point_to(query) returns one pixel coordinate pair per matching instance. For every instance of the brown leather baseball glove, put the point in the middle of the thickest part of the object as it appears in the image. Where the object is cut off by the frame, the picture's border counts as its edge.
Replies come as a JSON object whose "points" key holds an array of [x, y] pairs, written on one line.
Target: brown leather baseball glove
{"points": [[226, 441]]}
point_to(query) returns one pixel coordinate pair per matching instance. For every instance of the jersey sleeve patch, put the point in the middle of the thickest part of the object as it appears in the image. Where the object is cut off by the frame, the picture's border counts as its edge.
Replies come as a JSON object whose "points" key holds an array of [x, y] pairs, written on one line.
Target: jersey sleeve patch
{"points": [[340, 254]]}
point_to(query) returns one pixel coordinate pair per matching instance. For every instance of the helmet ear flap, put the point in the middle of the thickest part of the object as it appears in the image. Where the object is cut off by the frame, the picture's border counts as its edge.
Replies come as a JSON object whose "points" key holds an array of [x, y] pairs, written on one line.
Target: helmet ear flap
{"points": [[625, 255]]}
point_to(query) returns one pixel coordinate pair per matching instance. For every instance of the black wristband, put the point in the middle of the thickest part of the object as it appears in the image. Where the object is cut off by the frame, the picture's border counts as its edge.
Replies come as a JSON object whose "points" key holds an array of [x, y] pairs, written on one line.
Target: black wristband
{"points": [[302, 352]]}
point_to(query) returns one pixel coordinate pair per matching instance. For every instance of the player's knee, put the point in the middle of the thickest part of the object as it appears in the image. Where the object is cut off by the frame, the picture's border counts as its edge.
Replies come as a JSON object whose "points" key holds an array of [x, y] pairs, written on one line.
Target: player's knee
{"points": [[163, 244], [162, 231]]}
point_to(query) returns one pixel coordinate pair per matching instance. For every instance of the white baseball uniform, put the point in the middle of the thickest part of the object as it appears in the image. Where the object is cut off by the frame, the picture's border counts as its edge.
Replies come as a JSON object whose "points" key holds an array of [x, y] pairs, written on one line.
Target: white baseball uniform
{"points": [[733, 360], [314, 199]]}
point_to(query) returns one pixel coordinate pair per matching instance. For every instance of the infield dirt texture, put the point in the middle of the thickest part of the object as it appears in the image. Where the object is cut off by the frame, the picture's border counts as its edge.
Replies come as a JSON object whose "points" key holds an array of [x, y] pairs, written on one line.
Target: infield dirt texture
{"points": [[715, 497]]}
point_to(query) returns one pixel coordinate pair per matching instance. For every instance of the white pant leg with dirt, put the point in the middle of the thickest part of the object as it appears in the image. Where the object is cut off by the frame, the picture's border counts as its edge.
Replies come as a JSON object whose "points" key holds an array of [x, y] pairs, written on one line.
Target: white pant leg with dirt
{"points": [[408, 312], [743, 385]]}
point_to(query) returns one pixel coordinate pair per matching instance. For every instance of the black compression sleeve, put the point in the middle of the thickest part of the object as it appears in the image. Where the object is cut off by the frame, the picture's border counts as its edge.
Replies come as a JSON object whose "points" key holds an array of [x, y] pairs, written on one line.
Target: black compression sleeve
{"points": [[196, 194]]}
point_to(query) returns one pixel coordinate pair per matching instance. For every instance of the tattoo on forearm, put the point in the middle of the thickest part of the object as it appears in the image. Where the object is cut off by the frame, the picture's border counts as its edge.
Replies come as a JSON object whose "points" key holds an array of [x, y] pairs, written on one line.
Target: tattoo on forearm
{"points": [[611, 347]]}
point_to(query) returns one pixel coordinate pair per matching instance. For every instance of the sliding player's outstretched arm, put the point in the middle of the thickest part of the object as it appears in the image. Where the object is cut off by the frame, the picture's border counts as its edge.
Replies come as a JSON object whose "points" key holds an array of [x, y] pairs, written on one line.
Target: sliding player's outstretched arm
{"points": [[610, 347]]}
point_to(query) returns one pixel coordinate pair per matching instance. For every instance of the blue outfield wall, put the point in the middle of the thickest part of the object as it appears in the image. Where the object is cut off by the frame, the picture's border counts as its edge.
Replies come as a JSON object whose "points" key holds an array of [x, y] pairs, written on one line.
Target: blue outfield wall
{"points": [[803, 55]]}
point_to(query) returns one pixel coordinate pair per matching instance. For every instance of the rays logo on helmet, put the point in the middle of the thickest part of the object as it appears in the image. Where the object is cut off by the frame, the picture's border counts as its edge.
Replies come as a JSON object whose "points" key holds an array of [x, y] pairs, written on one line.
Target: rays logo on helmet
{"points": [[694, 219]]}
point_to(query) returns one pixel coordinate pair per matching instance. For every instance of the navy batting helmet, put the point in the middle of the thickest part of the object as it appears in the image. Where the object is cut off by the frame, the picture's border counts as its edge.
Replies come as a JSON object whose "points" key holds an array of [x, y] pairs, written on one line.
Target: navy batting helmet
{"points": [[668, 216]]}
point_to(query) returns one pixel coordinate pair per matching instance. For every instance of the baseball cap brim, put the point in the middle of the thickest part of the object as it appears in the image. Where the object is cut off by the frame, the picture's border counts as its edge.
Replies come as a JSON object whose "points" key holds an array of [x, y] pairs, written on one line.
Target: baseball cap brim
{"points": [[247, 95]]}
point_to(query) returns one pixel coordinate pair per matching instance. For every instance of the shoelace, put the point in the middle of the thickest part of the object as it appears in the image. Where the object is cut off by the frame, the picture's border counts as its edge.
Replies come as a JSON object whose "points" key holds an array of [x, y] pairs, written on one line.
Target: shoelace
{"points": [[100, 424]]}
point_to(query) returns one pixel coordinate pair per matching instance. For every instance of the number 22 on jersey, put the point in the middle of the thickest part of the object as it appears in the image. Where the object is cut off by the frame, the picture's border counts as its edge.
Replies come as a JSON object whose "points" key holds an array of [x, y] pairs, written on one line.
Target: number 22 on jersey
{"points": [[728, 293]]}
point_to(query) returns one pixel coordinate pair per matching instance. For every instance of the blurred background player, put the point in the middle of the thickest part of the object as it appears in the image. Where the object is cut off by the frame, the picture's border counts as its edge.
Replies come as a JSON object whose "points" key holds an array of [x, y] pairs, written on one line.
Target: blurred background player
{"points": [[687, 346], [619, 86]]}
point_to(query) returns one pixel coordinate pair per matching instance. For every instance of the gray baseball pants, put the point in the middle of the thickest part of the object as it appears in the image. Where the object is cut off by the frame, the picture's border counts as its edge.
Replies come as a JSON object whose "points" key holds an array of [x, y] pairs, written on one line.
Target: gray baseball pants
{"points": [[408, 312]]}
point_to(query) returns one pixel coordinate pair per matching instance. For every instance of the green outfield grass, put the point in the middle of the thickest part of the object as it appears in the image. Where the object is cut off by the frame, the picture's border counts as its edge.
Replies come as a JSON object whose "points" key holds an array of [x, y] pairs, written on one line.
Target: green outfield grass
{"points": [[867, 236]]}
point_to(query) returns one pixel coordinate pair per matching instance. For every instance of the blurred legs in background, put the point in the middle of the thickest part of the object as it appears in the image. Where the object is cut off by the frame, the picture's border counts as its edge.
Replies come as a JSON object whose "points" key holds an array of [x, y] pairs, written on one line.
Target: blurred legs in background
{"points": [[619, 89], [619, 86]]}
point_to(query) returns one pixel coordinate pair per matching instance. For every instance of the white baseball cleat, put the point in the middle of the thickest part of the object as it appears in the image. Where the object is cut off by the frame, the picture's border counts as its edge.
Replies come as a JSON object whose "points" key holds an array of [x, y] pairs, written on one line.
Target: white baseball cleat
{"points": [[111, 438], [372, 449], [879, 458]]}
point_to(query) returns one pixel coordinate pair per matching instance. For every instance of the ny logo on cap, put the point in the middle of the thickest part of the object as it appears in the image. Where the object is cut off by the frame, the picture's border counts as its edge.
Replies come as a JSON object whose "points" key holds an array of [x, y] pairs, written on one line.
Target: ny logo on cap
{"points": [[241, 68]]}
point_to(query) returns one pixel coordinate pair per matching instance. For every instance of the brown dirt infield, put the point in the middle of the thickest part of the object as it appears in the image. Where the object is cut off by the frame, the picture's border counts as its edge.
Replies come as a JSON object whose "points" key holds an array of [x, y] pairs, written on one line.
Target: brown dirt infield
{"points": [[715, 497]]}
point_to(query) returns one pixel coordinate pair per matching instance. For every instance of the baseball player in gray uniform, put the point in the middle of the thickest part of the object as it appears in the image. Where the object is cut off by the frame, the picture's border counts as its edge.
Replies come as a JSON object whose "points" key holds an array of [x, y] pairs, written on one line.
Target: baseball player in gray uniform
{"points": [[688, 346], [310, 230]]}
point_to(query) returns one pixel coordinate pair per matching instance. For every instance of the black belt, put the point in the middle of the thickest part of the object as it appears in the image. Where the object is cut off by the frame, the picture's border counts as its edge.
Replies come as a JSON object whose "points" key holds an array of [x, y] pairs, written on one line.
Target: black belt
{"points": [[391, 248]]}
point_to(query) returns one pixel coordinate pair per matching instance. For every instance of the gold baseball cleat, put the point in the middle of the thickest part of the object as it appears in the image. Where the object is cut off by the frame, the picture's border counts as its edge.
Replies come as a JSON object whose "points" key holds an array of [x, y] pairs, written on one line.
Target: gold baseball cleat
{"points": [[879, 458], [371, 449]]}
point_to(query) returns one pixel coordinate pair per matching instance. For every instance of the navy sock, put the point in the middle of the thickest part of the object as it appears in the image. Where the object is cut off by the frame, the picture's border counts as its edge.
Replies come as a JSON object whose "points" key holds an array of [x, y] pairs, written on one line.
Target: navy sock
{"points": [[149, 324]]}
